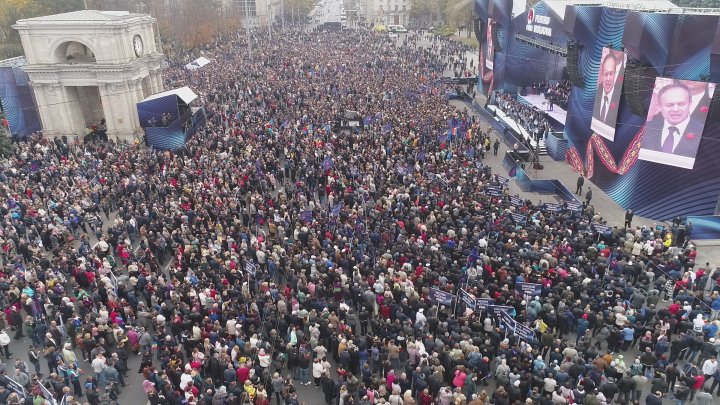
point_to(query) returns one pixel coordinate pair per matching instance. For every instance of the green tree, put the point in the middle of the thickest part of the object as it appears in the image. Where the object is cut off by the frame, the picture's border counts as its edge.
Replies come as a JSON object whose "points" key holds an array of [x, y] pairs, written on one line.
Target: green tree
{"points": [[6, 146], [13, 10]]}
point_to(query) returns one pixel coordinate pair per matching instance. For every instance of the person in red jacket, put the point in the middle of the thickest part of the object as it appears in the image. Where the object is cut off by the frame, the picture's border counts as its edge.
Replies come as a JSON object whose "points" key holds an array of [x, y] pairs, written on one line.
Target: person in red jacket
{"points": [[425, 398], [699, 382]]}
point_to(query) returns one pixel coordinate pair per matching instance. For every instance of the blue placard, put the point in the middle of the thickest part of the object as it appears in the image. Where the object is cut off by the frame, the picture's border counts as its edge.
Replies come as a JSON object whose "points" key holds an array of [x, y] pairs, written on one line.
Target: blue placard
{"points": [[524, 332], [306, 216], [600, 228], [439, 296], [518, 202], [531, 289], [468, 299], [507, 322], [518, 218], [493, 191], [496, 310], [250, 267], [482, 304], [503, 180], [553, 207], [573, 206]]}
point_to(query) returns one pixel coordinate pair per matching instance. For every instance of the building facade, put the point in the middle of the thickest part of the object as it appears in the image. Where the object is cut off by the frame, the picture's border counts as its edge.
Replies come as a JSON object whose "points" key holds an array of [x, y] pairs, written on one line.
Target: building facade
{"points": [[88, 65]]}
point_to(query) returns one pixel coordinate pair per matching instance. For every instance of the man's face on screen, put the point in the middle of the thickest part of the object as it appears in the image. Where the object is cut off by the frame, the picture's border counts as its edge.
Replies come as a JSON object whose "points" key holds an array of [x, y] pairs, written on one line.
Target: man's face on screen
{"points": [[608, 75], [696, 87], [675, 105]]}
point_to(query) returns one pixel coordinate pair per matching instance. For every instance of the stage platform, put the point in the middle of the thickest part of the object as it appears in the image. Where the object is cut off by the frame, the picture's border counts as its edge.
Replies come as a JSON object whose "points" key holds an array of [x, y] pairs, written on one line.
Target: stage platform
{"points": [[509, 122], [537, 100]]}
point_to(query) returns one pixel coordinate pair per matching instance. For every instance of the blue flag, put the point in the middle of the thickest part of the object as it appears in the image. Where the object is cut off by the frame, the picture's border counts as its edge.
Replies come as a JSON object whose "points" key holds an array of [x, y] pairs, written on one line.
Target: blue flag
{"points": [[421, 155], [327, 163], [336, 209]]}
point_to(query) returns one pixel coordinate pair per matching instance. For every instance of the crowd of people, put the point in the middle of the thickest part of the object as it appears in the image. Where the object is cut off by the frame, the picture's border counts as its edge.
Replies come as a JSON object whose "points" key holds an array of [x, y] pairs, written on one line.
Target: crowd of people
{"points": [[273, 251], [558, 93], [534, 121]]}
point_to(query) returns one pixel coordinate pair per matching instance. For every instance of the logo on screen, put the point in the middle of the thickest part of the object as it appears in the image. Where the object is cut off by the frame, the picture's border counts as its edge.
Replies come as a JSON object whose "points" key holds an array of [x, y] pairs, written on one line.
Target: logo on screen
{"points": [[531, 16]]}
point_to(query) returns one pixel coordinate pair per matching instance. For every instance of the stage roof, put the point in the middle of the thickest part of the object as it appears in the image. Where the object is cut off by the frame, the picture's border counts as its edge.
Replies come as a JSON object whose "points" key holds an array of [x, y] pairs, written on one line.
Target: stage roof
{"points": [[184, 93]]}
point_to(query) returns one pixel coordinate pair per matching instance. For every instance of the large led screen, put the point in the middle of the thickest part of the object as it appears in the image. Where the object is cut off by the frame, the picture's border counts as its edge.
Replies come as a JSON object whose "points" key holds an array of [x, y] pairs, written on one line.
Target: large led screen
{"points": [[675, 122], [609, 89], [490, 55]]}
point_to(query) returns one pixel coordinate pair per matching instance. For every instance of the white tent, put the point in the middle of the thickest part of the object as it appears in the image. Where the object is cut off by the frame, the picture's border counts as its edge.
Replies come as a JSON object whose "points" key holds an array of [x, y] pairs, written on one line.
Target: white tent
{"points": [[197, 63]]}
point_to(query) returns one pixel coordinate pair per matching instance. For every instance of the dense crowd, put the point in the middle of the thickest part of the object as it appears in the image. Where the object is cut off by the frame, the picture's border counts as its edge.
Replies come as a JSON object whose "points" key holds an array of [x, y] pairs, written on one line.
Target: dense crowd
{"points": [[276, 249], [534, 121], [558, 93]]}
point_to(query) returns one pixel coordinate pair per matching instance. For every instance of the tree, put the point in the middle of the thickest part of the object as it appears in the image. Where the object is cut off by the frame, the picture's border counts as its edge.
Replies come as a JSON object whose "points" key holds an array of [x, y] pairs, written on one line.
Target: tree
{"points": [[6, 146], [460, 13], [13, 10], [425, 13]]}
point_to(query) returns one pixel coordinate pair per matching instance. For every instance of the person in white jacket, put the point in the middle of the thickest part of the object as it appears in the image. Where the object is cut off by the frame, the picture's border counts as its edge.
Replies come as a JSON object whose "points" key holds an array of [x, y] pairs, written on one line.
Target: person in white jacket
{"points": [[317, 370], [5, 343]]}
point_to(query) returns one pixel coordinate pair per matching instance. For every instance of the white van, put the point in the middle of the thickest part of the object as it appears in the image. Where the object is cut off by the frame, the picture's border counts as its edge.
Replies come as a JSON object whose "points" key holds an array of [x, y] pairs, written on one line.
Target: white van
{"points": [[396, 29]]}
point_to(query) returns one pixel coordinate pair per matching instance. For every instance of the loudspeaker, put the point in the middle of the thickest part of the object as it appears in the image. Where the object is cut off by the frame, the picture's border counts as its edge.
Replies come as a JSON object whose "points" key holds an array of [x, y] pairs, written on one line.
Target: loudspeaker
{"points": [[479, 27], [638, 86], [496, 37], [573, 62]]}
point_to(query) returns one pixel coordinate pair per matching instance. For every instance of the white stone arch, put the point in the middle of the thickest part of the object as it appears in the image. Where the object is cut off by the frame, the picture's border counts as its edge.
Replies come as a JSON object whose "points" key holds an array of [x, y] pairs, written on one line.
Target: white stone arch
{"points": [[73, 50]]}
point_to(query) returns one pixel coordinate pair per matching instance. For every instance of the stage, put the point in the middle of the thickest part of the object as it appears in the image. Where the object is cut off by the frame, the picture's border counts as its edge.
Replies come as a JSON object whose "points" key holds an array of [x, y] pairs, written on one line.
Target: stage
{"points": [[510, 123], [537, 100]]}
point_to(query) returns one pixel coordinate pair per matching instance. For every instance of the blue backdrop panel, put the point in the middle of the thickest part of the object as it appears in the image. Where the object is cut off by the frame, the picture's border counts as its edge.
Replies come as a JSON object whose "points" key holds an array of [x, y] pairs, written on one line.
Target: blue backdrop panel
{"points": [[526, 63], [17, 102], [650, 189], [501, 12], [166, 138], [715, 57], [704, 227], [527, 183], [178, 133], [156, 108]]}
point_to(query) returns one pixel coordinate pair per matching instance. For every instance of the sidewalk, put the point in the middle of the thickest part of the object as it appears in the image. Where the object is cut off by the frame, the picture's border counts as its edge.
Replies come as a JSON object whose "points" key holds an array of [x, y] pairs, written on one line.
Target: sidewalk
{"points": [[560, 170]]}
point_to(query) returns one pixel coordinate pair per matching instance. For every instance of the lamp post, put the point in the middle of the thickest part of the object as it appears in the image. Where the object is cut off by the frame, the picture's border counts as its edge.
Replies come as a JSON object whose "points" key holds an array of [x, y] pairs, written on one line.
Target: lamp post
{"points": [[269, 10], [247, 28]]}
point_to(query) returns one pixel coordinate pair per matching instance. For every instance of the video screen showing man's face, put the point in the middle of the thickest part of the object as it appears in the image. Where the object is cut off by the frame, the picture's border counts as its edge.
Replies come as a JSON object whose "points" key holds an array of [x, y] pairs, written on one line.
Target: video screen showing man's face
{"points": [[608, 94], [608, 73], [675, 122], [675, 104]]}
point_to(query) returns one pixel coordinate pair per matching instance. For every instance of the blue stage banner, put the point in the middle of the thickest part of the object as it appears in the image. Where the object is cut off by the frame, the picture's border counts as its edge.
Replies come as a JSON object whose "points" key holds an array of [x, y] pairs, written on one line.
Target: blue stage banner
{"points": [[703, 227], [16, 98], [442, 297], [530, 289]]}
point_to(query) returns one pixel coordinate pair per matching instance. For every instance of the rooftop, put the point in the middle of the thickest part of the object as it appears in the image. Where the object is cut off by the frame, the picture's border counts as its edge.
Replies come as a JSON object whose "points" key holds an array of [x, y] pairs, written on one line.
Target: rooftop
{"points": [[83, 16]]}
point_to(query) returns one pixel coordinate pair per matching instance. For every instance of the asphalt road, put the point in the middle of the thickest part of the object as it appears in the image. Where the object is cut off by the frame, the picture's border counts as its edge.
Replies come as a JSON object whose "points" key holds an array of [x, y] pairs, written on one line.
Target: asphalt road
{"points": [[133, 392]]}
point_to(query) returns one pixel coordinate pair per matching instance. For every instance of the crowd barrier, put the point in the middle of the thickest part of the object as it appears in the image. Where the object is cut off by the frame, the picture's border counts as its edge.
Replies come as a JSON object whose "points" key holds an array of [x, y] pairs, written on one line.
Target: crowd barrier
{"points": [[526, 183]]}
